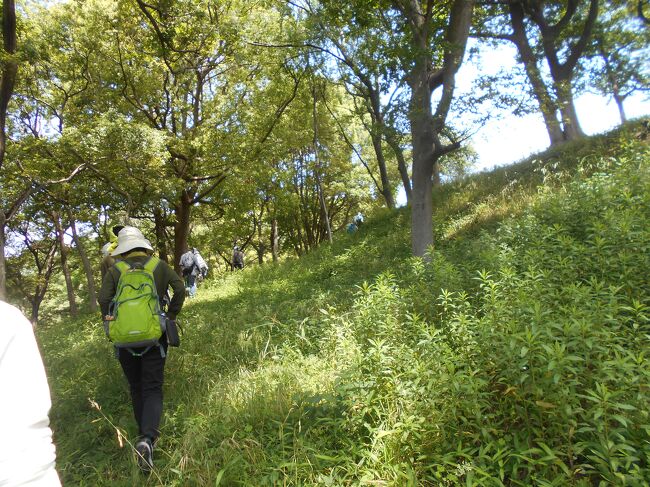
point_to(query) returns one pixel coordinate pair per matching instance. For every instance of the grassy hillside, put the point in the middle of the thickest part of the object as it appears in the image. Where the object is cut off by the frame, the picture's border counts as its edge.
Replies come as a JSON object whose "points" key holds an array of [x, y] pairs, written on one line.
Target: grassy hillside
{"points": [[515, 356]]}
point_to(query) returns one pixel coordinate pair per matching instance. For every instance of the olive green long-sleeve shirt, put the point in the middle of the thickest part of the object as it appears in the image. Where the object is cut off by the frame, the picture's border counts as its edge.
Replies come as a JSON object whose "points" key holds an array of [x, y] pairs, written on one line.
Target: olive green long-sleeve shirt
{"points": [[164, 277]]}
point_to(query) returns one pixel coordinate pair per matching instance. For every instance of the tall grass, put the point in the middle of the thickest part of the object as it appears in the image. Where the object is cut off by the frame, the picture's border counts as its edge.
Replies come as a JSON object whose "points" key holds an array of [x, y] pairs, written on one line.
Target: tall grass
{"points": [[515, 355]]}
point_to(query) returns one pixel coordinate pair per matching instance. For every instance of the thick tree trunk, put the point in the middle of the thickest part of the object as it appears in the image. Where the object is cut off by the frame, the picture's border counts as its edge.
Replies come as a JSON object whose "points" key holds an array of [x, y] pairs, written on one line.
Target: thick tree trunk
{"points": [[9, 71], [572, 129], [422, 133], [619, 104], [36, 305], [64, 264], [161, 237], [547, 105], [90, 279], [421, 206], [37, 300], [182, 227], [425, 125]]}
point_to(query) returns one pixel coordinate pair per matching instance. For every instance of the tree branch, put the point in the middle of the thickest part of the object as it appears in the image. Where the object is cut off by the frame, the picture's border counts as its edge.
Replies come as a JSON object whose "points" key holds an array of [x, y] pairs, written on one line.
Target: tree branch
{"points": [[280, 110], [640, 13], [351, 145]]}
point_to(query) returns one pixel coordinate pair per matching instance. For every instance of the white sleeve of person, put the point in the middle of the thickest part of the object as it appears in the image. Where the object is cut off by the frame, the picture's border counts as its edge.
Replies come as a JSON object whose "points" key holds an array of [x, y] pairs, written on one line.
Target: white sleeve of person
{"points": [[200, 262], [27, 454]]}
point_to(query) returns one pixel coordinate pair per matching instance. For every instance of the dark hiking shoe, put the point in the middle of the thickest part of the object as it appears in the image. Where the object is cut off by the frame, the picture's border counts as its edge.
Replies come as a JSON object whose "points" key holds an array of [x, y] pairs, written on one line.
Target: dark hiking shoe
{"points": [[144, 453]]}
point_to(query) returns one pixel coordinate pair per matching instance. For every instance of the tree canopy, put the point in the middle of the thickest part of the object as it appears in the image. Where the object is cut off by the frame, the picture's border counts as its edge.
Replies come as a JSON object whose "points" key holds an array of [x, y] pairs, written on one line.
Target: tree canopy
{"points": [[267, 124]]}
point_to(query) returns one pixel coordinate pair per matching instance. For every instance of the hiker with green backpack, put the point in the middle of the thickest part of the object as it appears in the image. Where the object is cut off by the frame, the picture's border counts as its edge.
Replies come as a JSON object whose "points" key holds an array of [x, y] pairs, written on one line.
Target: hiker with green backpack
{"points": [[131, 301]]}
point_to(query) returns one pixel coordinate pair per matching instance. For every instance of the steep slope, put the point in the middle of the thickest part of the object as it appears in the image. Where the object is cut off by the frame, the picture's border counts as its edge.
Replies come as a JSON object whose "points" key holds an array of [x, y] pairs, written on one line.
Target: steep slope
{"points": [[513, 356]]}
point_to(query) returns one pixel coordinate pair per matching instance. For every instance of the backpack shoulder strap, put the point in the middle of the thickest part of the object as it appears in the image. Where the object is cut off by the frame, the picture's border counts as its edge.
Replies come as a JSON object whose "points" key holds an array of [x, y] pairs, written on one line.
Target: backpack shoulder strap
{"points": [[122, 266], [151, 264]]}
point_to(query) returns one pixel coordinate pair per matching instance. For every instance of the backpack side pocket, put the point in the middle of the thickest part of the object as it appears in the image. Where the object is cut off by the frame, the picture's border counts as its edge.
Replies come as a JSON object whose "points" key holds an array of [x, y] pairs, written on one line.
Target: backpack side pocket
{"points": [[173, 339]]}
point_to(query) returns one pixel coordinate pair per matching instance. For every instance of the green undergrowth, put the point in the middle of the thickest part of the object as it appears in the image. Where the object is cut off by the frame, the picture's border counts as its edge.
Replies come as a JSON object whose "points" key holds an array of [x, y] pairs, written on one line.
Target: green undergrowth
{"points": [[516, 354]]}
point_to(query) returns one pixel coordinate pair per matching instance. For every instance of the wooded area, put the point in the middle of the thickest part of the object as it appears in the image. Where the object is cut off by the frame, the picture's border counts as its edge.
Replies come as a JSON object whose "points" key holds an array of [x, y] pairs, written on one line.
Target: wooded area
{"points": [[268, 124]]}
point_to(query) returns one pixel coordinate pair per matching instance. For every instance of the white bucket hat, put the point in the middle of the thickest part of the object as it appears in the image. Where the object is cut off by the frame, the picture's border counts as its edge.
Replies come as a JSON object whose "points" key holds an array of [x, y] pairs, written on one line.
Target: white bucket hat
{"points": [[130, 238], [105, 249]]}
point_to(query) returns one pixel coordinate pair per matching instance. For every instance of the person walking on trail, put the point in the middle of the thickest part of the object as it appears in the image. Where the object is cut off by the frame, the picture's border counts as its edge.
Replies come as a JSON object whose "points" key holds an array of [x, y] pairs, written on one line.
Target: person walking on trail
{"points": [[237, 258], [143, 366], [200, 263], [192, 266], [358, 219], [27, 454]]}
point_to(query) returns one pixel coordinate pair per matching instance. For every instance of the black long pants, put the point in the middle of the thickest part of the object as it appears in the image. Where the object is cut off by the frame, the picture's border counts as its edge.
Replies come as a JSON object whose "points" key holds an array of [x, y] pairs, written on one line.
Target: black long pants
{"points": [[145, 375]]}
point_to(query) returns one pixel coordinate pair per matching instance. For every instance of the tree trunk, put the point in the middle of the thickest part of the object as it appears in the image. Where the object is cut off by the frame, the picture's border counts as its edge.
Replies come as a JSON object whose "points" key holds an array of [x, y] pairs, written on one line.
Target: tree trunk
{"points": [[422, 133], [377, 131], [36, 305], [423, 142], [619, 104], [386, 192], [182, 227], [321, 197], [426, 126], [90, 279], [421, 206], [546, 103], [44, 274], [324, 212], [64, 264], [274, 239], [261, 250], [610, 74], [401, 166], [161, 237], [562, 72], [3, 268], [9, 71], [572, 129], [616, 92]]}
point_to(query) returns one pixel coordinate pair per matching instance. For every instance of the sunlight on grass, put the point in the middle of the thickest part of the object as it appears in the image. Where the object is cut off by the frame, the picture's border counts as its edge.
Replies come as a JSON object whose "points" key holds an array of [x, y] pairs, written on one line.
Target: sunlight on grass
{"points": [[515, 356]]}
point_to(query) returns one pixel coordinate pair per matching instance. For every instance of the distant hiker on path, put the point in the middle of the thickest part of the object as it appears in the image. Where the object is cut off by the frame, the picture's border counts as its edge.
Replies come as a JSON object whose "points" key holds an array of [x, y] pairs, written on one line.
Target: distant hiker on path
{"points": [[358, 219], [192, 266], [237, 258], [143, 365], [27, 454]]}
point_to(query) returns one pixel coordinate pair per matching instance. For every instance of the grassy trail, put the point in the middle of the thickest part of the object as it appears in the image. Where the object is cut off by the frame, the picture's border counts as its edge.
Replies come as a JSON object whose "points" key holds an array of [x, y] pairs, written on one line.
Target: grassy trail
{"points": [[515, 356]]}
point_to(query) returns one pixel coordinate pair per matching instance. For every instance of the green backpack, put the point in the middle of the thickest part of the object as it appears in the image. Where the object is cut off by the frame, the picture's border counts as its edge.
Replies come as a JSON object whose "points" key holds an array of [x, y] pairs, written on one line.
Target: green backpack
{"points": [[138, 320]]}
